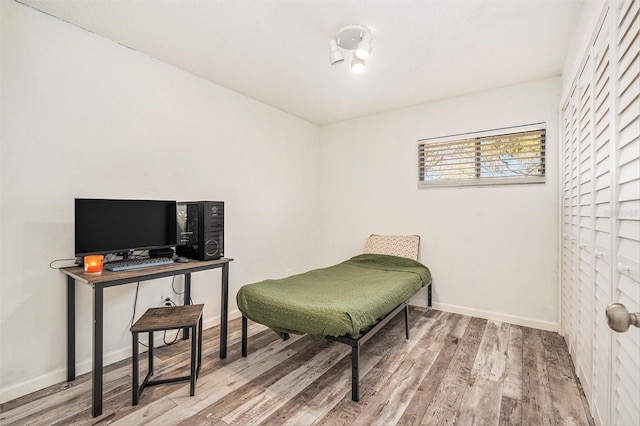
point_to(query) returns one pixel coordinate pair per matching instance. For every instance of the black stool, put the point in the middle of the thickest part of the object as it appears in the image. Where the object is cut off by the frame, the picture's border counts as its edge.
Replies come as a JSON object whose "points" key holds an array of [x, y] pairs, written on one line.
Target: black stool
{"points": [[162, 319]]}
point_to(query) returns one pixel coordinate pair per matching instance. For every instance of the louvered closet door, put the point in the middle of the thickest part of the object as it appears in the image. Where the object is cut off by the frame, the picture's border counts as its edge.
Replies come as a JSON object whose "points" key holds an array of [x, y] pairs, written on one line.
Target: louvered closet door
{"points": [[602, 178], [574, 256], [601, 216], [585, 230], [626, 364], [567, 297]]}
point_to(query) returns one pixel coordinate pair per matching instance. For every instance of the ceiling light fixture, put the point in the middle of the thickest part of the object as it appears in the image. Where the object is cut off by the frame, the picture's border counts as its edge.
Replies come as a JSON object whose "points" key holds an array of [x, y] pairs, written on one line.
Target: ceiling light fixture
{"points": [[351, 37]]}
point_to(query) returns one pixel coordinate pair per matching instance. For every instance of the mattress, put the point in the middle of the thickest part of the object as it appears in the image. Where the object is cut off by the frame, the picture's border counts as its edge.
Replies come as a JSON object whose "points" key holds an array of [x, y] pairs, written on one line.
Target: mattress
{"points": [[339, 300]]}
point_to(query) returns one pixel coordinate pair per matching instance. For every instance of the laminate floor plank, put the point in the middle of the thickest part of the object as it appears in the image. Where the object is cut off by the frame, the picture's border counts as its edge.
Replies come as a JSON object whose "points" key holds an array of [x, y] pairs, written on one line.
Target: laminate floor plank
{"points": [[510, 411], [511, 405], [423, 396], [491, 359], [461, 326], [512, 383], [454, 370], [568, 406], [456, 379], [537, 407], [481, 401]]}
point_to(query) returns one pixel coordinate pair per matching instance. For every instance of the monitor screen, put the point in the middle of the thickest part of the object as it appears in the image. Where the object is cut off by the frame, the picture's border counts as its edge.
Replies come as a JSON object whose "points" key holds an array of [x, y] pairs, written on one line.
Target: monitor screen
{"points": [[116, 226]]}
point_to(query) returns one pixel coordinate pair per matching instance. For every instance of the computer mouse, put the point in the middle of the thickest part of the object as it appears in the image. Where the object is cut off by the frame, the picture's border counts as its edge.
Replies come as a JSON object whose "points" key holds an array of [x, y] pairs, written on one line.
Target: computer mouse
{"points": [[181, 260]]}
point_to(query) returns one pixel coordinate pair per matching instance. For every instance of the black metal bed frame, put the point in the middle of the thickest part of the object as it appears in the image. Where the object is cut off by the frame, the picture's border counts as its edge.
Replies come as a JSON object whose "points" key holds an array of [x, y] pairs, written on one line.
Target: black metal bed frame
{"points": [[357, 341]]}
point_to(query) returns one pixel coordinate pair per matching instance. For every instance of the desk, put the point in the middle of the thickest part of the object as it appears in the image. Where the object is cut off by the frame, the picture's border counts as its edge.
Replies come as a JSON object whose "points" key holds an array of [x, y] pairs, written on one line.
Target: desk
{"points": [[98, 282]]}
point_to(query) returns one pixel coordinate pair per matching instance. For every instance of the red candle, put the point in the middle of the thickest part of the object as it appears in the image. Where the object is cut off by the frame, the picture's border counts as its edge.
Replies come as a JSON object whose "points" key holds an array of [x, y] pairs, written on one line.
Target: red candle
{"points": [[93, 263]]}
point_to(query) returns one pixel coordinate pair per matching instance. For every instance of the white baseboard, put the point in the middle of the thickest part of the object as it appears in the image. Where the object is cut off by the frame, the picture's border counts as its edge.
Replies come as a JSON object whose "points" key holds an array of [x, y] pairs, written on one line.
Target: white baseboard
{"points": [[17, 390], [26, 387], [497, 316]]}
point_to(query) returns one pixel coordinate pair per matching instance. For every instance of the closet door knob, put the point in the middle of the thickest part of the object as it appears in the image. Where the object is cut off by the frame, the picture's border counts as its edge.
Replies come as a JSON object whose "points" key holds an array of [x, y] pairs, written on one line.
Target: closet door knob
{"points": [[623, 268], [619, 318]]}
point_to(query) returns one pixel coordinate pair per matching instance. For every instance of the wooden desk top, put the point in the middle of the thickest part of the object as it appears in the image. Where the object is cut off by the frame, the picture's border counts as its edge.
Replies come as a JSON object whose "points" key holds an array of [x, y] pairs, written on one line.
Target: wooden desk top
{"points": [[142, 274]]}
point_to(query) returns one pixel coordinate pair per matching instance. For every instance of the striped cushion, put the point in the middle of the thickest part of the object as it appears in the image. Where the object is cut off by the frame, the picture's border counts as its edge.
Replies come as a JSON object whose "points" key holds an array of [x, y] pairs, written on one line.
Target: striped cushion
{"points": [[393, 245]]}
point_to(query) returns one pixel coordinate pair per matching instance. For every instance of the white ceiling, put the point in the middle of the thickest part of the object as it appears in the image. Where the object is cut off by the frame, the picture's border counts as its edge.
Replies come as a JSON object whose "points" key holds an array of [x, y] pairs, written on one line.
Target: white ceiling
{"points": [[276, 51]]}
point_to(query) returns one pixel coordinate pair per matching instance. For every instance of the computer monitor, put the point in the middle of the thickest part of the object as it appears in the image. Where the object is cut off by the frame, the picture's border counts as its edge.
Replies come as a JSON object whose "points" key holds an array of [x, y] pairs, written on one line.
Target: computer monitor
{"points": [[105, 226]]}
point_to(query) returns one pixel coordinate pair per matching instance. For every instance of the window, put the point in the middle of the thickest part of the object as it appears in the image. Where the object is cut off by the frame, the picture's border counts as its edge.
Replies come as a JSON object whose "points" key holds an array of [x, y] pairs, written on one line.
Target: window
{"points": [[495, 157]]}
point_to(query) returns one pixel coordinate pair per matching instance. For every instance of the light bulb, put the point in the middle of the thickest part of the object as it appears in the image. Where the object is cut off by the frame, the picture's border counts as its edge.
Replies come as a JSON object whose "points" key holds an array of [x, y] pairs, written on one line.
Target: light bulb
{"points": [[363, 50], [357, 65]]}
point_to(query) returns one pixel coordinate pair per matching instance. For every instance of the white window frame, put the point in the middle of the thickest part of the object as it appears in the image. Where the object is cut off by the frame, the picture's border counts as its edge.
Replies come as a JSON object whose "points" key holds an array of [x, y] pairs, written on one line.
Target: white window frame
{"points": [[472, 158]]}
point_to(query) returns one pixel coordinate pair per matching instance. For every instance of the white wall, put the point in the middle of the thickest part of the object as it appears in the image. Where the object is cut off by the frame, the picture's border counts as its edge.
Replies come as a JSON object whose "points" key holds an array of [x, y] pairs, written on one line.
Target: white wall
{"points": [[85, 117], [492, 250]]}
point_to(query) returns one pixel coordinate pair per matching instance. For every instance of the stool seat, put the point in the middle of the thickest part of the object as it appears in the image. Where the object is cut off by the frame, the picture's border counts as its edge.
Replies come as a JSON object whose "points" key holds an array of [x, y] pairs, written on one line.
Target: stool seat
{"points": [[162, 319], [168, 318]]}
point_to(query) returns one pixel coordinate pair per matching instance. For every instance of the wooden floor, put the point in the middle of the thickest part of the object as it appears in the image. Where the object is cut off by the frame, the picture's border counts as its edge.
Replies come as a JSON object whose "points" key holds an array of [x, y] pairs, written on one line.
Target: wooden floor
{"points": [[454, 369]]}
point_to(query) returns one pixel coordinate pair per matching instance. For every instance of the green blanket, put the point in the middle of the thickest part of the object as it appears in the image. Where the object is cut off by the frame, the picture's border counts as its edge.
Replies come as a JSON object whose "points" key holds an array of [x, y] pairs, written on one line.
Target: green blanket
{"points": [[335, 301]]}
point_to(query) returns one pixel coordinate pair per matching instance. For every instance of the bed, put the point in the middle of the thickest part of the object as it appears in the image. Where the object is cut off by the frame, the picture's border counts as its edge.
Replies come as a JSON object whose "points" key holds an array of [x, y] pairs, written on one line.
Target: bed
{"points": [[348, 302]]}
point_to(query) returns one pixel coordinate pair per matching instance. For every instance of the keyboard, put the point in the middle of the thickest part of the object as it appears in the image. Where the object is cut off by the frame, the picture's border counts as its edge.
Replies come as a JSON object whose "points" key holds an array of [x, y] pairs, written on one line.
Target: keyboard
{"points": [[123, 265]]}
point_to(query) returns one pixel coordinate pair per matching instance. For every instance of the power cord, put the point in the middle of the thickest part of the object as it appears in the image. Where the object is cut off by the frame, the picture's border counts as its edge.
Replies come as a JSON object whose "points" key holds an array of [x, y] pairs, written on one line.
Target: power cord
{"points": [[175, 339], [164, 337], [173, 280], [63, 260], [169, 302]]}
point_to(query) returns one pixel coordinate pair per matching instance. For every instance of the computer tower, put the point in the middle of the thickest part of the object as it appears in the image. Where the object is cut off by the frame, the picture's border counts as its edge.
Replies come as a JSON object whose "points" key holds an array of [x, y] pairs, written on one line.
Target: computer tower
{"points": [[200, 229]]}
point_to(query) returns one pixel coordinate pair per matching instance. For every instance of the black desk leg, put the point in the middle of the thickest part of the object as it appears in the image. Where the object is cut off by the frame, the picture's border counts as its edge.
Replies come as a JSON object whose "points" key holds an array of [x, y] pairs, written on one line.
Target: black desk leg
{"points": [[187, 301], [224, 310], [97, 350], [71, 328]]}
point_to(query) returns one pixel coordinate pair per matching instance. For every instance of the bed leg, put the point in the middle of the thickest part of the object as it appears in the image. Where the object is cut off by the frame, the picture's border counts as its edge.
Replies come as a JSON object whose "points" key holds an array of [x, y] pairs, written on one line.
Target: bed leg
{"points": [[406, 320], [429, 294], [355, 372], [244, 336]]}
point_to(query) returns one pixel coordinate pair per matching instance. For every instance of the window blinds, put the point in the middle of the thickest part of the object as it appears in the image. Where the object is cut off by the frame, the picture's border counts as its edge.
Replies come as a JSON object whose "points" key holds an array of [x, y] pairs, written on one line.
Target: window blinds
{"points": [[504, 156]]}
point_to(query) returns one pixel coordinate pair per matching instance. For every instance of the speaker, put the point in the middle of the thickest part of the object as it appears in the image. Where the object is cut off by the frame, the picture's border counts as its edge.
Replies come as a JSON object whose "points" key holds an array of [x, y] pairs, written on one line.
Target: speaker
{"points": [[200, 229]]}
